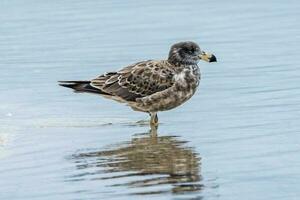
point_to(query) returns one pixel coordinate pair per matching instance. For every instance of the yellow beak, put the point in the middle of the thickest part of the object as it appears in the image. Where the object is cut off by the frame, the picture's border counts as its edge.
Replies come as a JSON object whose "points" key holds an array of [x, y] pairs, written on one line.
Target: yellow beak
{"points": [[208, 57]]}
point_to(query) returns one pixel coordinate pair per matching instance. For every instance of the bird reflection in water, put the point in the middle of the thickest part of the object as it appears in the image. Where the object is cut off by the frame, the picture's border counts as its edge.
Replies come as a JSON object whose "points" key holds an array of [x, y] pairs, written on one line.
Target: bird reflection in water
{"points": [[146, 161]]}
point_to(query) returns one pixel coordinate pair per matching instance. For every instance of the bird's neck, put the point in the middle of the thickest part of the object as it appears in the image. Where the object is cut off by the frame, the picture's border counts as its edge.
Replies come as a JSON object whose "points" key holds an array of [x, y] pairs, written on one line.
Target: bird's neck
{"points": [[180, 66], [179, 62]]}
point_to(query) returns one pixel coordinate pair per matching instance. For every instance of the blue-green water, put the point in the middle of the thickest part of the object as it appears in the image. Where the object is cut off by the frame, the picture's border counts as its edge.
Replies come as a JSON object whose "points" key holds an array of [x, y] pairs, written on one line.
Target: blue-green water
{"points": [[237, 138]]}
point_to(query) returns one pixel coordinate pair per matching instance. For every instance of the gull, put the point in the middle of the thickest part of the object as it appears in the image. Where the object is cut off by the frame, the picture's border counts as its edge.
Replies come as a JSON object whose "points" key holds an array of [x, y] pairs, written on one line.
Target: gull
{"points": [[153, 85]]}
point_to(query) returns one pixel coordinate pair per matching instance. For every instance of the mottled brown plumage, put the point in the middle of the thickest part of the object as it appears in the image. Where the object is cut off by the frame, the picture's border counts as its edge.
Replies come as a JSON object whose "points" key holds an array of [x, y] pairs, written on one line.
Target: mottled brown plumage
{"points": [[151, 86], [136, 81]]}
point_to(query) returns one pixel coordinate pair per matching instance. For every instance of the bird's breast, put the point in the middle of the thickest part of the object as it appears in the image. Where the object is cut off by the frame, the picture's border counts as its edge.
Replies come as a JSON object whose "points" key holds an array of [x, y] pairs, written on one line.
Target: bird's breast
{"points": [[185, 85], [189, 77]]}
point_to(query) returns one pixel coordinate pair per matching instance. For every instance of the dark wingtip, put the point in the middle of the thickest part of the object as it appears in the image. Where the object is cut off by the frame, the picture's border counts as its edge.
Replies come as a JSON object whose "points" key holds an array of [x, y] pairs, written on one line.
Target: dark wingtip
{"points": [[68, 85], [71, 84], [80, 86]]}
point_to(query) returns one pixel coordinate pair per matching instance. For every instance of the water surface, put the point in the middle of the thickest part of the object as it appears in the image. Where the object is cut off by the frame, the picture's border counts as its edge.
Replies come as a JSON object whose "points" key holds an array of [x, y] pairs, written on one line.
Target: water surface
{"points": [[237, 138]]}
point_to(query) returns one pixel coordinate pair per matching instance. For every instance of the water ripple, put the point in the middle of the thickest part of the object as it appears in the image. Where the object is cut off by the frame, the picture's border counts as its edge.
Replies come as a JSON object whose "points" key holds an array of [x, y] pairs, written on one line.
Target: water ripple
{"points": [[143, 162]]}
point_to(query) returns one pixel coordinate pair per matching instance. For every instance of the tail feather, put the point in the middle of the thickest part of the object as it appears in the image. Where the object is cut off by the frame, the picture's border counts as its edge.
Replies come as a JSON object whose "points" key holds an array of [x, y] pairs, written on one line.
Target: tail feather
{"points": [[81, 86]]}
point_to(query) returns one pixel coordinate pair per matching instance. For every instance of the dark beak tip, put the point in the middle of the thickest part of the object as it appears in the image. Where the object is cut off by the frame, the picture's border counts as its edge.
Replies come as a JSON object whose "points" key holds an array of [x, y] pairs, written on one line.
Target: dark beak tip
{"points": [[213, 59]]}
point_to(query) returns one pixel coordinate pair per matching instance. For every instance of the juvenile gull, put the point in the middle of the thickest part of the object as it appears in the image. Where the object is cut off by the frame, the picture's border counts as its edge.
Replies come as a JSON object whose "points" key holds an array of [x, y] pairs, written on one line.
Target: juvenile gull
{"points": [[153, 85]]}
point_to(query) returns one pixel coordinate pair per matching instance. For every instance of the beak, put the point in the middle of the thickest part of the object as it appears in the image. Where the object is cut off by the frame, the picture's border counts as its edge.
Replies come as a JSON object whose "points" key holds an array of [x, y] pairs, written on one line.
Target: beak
{"points": [[207, 57]]}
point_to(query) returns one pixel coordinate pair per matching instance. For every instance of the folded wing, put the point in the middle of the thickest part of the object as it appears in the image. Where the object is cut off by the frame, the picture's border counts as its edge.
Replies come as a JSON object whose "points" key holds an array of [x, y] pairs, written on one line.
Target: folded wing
{"points": [[136, 81]]}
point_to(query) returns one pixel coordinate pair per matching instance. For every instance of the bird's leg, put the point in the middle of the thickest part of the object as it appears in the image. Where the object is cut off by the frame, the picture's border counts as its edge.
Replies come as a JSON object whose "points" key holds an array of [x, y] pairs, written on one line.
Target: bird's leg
{"points": [[153, 134], [154, 119]]}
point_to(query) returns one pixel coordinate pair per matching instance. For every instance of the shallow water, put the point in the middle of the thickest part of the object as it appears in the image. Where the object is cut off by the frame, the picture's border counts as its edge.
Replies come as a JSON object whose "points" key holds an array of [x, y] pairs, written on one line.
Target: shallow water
{"points": [[237, 138]]}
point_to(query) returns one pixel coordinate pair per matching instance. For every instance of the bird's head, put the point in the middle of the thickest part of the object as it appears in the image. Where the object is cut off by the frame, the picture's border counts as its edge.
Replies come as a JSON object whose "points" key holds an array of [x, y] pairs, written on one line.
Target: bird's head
{"points": [[188, 53]]}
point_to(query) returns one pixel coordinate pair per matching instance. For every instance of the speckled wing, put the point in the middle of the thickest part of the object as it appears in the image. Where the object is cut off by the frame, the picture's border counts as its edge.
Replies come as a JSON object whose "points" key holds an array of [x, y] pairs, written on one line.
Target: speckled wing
{"points": [[136, 81]]}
